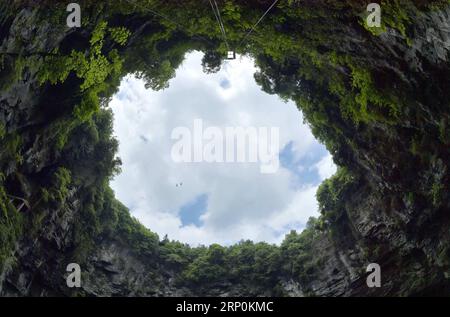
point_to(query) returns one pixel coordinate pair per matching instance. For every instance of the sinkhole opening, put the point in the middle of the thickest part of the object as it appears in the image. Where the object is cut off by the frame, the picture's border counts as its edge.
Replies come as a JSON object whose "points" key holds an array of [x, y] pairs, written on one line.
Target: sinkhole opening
{"points": [[215, 197]]}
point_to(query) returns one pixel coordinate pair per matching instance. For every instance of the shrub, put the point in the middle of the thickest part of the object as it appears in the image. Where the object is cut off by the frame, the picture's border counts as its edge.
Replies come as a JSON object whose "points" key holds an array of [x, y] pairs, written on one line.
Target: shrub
{"points": [[11, 226]]}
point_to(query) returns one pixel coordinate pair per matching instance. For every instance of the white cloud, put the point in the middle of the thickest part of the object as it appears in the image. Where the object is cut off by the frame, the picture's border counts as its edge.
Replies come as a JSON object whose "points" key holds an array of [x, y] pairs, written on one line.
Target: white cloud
{"points": [[242, 202]]}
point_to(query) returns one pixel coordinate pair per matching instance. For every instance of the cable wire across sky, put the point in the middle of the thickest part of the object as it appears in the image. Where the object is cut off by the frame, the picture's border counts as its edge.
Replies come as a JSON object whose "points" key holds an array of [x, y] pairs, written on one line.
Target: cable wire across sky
{"points": [[219, 20]]}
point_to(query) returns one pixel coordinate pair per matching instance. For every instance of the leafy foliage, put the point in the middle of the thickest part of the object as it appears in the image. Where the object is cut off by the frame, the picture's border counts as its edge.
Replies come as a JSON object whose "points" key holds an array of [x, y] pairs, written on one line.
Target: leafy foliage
{"points": [[332, 193], [10, 225], [93, 69]]}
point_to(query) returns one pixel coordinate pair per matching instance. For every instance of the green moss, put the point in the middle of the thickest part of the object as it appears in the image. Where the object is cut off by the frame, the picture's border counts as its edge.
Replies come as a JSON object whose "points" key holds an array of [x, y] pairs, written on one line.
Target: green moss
{"points": [[410, 198], [338, 94], [11, 73], [11, 222], [444, 131], [60, 183], [93, 69], [437, 194], [332, 193], [372, 104], [11, 150], [396, 14], [2, 130]]}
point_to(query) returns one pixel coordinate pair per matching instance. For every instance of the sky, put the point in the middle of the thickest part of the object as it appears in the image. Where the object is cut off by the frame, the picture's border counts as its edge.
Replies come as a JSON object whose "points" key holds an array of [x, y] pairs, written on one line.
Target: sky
{"points": [[203, 203]]}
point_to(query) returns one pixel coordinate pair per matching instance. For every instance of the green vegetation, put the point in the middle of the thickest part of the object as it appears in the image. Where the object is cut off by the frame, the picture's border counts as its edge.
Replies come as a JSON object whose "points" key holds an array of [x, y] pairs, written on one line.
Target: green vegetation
{"points": [[10, 225], [10, 151], [2, 131], [93, 69], [10, 73], [120, 35], [437, 194], [298, 258], [332, 195], [259, 262]]}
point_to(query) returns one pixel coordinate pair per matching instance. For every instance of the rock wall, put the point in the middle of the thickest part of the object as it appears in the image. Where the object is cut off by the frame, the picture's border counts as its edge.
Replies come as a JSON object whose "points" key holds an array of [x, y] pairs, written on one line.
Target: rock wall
{"points": [[388, 218]]}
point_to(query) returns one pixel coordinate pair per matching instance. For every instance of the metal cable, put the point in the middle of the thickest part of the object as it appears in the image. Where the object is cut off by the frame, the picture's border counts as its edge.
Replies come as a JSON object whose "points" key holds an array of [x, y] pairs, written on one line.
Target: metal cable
{"points": [[180, 27], [216, 12]]}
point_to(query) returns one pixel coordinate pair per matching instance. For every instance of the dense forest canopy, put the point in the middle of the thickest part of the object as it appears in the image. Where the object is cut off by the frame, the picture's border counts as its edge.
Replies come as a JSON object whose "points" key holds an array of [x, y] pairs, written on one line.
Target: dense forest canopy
{"points": [[341, 95]]}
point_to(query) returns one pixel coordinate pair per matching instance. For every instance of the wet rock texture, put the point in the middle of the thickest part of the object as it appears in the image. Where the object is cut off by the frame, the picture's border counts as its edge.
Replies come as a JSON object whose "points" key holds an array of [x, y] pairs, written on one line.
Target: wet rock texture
{"points": [[382, 222]]}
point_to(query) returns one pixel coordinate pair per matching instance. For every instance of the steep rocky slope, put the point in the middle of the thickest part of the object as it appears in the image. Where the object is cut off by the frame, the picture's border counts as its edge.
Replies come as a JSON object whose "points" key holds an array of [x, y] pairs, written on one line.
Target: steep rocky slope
{"points": [[387, 205]]}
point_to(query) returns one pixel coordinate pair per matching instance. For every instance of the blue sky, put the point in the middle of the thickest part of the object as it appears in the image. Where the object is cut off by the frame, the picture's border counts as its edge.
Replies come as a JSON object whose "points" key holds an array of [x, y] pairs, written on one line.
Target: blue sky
{"points": [[217, 202], [190, 214], [304, 169]]}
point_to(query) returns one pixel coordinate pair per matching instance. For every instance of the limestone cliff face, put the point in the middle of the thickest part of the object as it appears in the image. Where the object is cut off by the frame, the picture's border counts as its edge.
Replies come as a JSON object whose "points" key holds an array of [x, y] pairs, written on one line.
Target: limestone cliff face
{"points": [[396, 213], [382, 222]]}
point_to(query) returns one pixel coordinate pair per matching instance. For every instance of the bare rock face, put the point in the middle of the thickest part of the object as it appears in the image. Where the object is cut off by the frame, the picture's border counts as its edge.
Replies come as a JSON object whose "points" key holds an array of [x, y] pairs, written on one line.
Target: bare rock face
{"points": [[396, 213]]}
